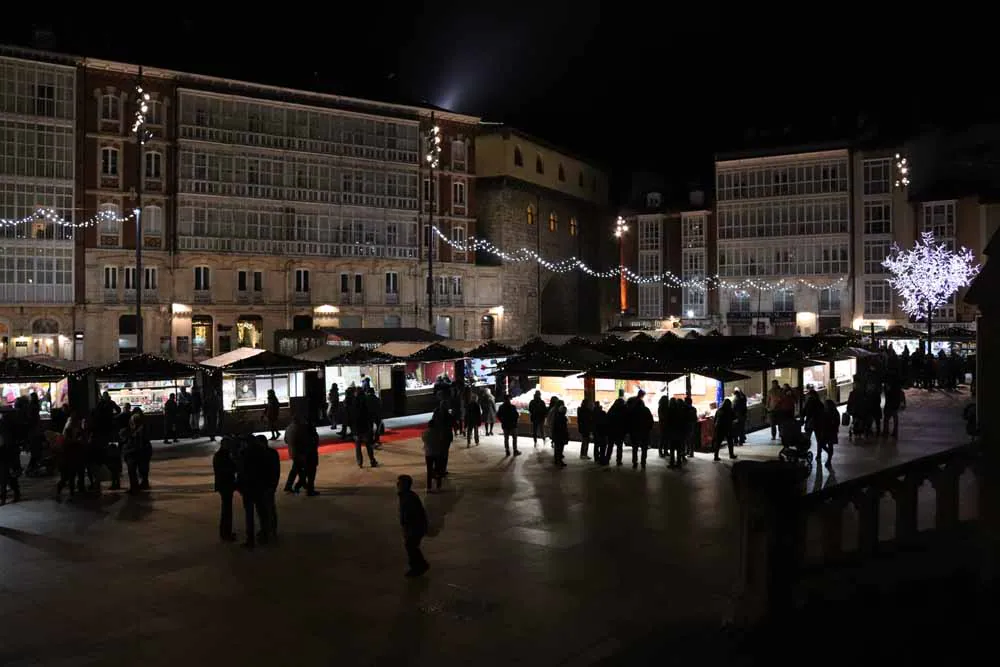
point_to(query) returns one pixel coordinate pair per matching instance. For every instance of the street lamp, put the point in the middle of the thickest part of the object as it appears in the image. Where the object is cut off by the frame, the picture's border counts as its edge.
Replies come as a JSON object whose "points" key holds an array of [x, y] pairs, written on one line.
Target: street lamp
{"points": [[620, 228], [432, 157], [142, 135]]}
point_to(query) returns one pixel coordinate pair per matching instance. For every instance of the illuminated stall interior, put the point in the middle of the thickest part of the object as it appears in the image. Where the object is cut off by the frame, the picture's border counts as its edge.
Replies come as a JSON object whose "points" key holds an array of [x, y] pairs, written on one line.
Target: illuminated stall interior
{"points": [[482, 360], [559, 372], [348, 366], [22, 376], [248, 374], [145, 381], [425, 363]]}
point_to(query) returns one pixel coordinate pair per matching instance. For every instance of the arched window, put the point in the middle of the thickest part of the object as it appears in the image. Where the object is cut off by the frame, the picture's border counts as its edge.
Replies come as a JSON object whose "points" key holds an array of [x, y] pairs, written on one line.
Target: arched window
{"points": [[572, 226], [562, 174], [45, 325], [518, 158], [531, 215], [553, 222], [110, 107], [110, 223], [539, 165]]}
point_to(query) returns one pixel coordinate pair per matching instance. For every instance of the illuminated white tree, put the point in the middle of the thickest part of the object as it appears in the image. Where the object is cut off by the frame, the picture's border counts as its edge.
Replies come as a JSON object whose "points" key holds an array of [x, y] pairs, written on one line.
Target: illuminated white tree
{"points": [[928, 275]]}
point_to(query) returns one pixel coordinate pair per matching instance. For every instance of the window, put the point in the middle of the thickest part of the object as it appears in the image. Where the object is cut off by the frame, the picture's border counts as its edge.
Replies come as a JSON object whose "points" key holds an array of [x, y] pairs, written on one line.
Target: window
{"points": [[45, 100], [345, 283], [878, 176], [258, 281], [151, 278], [650, 301], [111, 223], [874, 253], [110, 107], [458, 190], [152, 221], [154, 116], [693, 230], [202, 279], [458, 155], [649, 235], [878, 217], [878, 298], [429, 234], [939, 219], [562, 174], [518, 158], [110, 277], [301, 280], [784, 301], [539, 165], [553, 222], [359, 283], [109, 161], [458, 237], [654, 200], [391, 282], [531, 215], [797, 178], [456, 285], [829, 300], [129, 277], [154, 165], [739, 302], [241, 281], [572, 226], [428, 195]]}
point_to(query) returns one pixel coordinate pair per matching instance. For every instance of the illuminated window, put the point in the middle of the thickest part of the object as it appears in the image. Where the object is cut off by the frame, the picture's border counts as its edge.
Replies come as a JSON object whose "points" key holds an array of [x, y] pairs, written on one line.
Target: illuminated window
{"points": [[531, 215], [572, 226], [553, 222]]}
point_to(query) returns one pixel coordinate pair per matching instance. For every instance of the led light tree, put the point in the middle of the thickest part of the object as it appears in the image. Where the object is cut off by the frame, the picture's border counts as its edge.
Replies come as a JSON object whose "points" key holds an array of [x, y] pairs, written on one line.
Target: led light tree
{"points": [[928, 275]]}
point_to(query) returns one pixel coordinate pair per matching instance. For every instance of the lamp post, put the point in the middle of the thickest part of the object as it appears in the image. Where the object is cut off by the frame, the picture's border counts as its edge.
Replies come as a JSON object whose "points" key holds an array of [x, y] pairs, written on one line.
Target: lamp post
{"points": [[432, 157], [142, 135], [620, 228]]}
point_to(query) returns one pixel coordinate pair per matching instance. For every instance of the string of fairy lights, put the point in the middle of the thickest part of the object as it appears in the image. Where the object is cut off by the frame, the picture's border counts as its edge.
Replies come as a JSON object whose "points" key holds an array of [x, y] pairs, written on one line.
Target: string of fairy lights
{"points": [[668, 278], [48, 215]]}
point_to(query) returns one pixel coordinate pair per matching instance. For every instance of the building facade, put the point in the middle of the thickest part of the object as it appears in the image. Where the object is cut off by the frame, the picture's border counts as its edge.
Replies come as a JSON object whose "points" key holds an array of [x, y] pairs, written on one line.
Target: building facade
{"points": [[38, 151], [534, 196], [262, 209], [784, 241]]}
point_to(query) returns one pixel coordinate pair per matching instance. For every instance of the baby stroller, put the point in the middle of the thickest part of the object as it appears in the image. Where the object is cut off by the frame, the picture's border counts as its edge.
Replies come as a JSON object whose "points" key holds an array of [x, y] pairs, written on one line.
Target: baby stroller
{"points": [[795, 445]]}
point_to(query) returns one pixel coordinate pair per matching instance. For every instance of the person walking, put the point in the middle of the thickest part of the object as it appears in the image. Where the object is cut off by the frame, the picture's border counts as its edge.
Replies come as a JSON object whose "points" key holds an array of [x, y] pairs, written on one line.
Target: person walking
{"points": [[488, 407], [271, 461], [443, 424], [773, 406], [895, 400], [724, 418], [664, 407], [473, 418], [308, 443], [170, 416], [601, 451], [828, 430], [333, 405], [292, 435], [251, 482], [413, 520], [640, 427], [508, 416], [617, 427], [740, 411], [363, 433], [212, 407], [224, 468], [271, 413]]}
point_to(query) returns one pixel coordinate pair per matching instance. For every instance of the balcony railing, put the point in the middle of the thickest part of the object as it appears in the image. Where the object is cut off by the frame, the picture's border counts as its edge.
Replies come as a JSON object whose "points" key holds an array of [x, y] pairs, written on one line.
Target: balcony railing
{"points": [[302, 297], [247, 296], [794, 547], [352, 299], [110, 296], [449, 300], [203, 296], [392, 299]]}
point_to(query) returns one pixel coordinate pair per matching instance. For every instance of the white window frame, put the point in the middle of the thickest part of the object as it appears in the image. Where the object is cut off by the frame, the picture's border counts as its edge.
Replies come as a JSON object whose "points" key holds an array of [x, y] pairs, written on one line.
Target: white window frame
{"points": [[111, 108], [153, 159], [881, 225], [874, 251], [949, 209], [152, 221], [202, 278], [392, 282], [154, 116], [302, 285], [459, 155], [877, 174], [110, 158], [883, 291], [150, 278], [456, 285], [129, 278], [783, 301], [827, 302], [107, 226], [110, 278], [649, 235], [458, 194]]}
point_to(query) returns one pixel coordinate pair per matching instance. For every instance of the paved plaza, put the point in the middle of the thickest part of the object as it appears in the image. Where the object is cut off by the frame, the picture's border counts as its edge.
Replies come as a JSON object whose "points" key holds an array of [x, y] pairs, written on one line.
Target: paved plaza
{"points": [[530, 565]]}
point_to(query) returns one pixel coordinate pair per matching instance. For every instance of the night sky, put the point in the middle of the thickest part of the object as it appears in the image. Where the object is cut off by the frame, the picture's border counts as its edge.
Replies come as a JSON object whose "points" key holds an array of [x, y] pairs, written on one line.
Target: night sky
{"points": [[633, 86]]}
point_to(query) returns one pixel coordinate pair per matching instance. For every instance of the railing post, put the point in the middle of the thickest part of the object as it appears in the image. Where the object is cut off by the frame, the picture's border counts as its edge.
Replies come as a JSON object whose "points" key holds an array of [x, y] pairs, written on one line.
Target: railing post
{"points": [[904, 493], [867, 505], [770, 538], [945, 483]]}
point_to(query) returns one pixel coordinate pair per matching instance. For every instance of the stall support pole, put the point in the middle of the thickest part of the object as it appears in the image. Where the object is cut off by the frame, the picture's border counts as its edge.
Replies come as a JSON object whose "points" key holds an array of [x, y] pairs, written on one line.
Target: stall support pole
{"points": [[687, 385]]}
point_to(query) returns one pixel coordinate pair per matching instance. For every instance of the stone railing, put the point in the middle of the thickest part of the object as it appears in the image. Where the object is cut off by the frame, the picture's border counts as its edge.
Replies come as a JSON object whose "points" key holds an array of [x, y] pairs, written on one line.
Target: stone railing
{"points": [[858, 535]]}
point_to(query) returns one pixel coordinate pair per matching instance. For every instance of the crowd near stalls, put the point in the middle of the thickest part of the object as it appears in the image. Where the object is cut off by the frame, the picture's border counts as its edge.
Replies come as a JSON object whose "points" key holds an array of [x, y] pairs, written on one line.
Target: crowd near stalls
{"points": [[45, 377]]}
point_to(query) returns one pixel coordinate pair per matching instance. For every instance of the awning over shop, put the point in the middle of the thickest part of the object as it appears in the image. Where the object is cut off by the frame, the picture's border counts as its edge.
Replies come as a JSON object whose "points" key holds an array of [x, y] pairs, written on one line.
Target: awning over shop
{"points": [[490, 350], [254, 360], [24, 370], [568, 360], [400, 349], [536, 345], [338, 355], [436, 352], [634, 367], [900, 333], [142, 367], [955, 334]]}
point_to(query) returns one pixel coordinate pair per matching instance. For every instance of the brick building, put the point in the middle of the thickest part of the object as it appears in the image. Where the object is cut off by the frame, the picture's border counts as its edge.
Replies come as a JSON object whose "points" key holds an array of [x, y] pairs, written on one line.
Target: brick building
{"points": [[535, 196], [263, 209]]}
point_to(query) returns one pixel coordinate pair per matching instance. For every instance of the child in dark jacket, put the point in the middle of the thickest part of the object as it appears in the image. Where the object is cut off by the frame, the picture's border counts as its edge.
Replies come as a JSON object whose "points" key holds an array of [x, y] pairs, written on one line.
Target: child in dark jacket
{"points": [[413, 520]]}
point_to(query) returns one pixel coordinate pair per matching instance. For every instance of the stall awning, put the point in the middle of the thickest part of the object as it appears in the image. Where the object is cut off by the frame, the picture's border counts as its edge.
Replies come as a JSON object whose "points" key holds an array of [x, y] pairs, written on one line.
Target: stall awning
{"points": [[900, 333], [537, 345], [22, 370], [490, 350], [142, 367], [347, 356], [252, 360], [568, 360], [720, 374], [400, 349], [67, 366], [381, 335], [955, 334], [634, 367], [436, 352]]}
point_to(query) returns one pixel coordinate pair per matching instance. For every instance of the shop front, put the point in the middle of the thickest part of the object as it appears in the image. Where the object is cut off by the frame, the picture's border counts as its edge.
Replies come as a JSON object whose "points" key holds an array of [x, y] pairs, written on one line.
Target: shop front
{"points": [[425, 365], [21, 377], [352, 366], [483, 361], [145, 381], [42, 339], [247, 375]]}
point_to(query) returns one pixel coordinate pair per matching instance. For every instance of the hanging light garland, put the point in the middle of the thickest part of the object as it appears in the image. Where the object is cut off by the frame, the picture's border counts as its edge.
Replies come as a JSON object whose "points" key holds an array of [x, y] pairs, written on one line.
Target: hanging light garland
{"points": [[49, 215], [668, 278]]}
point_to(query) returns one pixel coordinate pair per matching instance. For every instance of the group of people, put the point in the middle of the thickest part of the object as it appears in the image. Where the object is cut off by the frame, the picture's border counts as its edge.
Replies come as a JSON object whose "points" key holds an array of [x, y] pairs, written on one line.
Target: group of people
{"points": [[359, 416], [248, 466], [185, 414]]}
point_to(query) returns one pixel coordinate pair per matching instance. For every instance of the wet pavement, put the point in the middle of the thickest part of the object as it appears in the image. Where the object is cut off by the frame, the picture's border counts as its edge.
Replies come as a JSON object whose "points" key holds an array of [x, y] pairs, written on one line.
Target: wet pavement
{"points": [[530, 564]]}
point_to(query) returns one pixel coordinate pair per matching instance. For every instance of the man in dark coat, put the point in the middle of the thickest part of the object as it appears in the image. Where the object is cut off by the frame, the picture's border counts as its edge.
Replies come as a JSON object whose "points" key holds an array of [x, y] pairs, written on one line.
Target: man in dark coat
{"points": [[508, 416], [252, 484], [224, 468], [272, 478], [413, 520]]}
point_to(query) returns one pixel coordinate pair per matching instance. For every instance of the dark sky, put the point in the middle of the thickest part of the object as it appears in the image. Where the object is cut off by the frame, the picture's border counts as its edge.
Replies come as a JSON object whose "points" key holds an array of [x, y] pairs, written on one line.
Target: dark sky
{"points": [[633, 85]]}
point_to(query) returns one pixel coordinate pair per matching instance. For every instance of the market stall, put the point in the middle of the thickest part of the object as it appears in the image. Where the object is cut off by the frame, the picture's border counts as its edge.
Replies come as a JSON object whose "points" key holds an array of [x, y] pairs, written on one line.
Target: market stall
{"points": [[425, 364], [901, 338], [248, 374], [482, 362], [23, 376], [347, 366], [556, 373], [145, 381]]}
